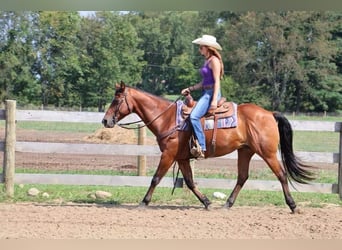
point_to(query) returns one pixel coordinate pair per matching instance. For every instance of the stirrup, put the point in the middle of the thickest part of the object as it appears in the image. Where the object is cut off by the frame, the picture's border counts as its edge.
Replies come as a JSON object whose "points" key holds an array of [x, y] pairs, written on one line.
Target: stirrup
{"points": [[196, 152], [195, 149]]}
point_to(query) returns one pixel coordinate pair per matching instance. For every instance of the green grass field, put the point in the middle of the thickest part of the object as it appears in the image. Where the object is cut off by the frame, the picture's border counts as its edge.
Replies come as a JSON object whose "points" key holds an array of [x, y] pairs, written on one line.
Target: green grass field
{"points": [[183, 197], [71, 127]]}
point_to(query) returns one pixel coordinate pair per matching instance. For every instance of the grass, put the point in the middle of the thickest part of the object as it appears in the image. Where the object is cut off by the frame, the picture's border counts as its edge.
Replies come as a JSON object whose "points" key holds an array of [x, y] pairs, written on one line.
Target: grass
{"points": [[81, 172], [312, 141], [321, 118], [62, 194], [71, 127]]}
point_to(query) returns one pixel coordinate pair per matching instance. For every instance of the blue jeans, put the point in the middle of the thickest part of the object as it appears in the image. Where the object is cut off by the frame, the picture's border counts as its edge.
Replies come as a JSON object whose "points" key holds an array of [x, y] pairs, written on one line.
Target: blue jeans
{"points": [[198, 112]]}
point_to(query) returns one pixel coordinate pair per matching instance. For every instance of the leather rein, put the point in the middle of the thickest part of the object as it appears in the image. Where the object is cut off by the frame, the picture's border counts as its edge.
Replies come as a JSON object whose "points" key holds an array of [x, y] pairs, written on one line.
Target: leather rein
{"points": [[125, 125]]}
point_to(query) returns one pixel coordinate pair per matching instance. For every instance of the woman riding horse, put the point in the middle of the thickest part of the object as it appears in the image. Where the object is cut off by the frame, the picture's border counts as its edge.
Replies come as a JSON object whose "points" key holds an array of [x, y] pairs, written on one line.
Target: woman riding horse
{"points": [[212, 72], [258, 132]]}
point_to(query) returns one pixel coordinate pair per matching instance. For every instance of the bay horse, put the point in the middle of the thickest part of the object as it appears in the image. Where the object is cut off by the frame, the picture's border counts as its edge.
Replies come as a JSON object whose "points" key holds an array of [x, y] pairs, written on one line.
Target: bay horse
{"points": [[258, 132]]}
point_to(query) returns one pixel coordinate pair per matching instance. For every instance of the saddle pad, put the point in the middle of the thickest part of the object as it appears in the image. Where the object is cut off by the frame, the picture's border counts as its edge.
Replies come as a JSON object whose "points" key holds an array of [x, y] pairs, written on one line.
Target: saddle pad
{"points": [[225, 122]]}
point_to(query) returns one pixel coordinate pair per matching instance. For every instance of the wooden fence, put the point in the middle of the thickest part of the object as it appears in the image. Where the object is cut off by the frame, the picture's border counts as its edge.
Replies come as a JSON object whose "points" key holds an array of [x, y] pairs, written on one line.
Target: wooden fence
{"points": [[10, 146]]}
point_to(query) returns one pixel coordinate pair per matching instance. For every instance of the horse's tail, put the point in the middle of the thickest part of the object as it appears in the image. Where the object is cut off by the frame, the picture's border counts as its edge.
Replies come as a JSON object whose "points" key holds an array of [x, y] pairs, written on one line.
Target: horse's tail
{"points": [[297, 171]]}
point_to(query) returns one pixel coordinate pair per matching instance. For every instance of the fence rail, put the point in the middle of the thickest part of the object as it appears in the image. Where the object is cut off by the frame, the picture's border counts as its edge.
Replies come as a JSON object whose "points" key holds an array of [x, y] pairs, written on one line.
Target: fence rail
{"points": [[134, 150], [137, 150]]}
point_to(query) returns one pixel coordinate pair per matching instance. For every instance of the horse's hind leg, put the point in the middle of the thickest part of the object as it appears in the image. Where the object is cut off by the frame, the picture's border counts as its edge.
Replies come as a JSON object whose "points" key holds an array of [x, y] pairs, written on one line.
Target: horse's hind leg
{"points": [[244, 158], [164, 165], [277, 169], [185, 167]]}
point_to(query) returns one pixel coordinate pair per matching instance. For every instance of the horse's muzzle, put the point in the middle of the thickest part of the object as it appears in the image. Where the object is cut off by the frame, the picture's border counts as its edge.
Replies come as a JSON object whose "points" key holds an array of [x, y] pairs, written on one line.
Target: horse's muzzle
{"points": [[108, 123]]}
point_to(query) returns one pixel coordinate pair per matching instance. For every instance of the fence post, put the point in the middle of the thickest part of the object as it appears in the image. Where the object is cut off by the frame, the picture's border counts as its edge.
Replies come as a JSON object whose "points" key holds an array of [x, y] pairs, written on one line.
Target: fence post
{"points": [[340, 165], [141, 158], [9, 153]]}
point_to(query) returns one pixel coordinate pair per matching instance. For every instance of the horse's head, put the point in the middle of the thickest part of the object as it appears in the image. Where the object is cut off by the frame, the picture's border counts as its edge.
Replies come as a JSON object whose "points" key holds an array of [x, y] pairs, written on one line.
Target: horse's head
{"points": [[119, 108]]}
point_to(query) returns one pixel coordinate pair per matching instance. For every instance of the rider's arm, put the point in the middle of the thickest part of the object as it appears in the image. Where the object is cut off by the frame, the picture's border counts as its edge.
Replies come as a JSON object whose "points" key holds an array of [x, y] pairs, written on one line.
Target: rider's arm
{"points": [[216, 68], [192, 88]]}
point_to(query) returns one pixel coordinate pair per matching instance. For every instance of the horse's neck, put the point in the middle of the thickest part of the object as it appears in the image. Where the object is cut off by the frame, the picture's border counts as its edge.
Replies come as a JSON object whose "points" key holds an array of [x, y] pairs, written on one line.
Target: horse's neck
{"points": [[152, 110]]}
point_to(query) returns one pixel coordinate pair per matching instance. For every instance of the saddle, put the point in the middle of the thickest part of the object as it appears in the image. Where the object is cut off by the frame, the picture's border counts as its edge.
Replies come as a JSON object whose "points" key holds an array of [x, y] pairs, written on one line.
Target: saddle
{"points": [[223, 109]]}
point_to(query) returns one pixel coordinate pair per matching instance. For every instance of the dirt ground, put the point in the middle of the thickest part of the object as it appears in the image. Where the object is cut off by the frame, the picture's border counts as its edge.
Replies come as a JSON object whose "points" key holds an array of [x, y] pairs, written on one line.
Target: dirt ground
{"points": [[74, 221], [98, 221]]}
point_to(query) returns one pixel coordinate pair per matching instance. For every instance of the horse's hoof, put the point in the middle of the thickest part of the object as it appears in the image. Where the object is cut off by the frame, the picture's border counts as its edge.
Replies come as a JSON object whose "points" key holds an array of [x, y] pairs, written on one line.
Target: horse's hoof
{"points": [[142, 205], [227, 206], [206, 202], [297, 211], [207, 208]]}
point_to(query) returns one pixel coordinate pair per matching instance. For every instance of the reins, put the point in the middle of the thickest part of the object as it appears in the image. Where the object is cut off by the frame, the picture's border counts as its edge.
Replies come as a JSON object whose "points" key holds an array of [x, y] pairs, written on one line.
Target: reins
{"points": [[124, 125], [175, 178]]}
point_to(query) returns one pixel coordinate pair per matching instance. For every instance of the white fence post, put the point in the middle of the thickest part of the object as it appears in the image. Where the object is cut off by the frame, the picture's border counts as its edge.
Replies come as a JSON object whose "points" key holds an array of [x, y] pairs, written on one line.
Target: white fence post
{"points": [[9, 152], [340, 164], [141, 158]]}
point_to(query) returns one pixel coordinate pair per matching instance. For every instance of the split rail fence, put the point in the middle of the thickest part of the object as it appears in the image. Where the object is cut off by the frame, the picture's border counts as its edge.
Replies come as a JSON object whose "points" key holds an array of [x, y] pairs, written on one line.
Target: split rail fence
{"points": [[10, 146]]}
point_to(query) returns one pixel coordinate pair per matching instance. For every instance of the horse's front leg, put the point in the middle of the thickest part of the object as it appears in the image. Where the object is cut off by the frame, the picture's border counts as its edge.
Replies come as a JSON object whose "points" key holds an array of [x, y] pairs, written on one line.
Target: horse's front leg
{"points": [[165, 163], [187, 172]]}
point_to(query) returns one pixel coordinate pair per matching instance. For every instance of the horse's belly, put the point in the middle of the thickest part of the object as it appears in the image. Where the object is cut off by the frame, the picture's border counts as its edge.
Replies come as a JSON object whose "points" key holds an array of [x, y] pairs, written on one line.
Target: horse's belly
{"points": [[227, 141]]}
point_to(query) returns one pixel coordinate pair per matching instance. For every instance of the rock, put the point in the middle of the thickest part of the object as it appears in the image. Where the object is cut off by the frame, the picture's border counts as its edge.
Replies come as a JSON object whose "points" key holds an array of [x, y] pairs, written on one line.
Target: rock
{"points": [[45, 195], [102, 195], [219, 195], [92, 196], [58, 201], [33, 192]]}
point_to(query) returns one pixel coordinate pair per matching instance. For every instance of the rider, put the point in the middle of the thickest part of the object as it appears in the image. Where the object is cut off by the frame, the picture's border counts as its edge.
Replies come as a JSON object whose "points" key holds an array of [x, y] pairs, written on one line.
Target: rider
{"points": [[212, 72]]}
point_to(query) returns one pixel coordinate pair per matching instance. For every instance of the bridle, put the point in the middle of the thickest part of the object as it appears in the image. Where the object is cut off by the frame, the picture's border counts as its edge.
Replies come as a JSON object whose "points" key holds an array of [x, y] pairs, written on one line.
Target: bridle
{"points": [[117, 109], [123, 99]]}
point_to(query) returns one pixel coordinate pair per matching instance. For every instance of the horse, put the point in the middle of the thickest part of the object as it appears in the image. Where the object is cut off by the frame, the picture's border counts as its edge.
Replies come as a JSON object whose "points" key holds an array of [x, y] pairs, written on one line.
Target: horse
{"points": [[258, 132]]}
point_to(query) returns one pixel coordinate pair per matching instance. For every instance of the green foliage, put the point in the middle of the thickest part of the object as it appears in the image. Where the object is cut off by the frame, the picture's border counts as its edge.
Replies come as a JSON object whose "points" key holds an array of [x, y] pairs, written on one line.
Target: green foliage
{"points": [[229, 88], [285, 60], [17, 57], [71, 127], [57, 66]]}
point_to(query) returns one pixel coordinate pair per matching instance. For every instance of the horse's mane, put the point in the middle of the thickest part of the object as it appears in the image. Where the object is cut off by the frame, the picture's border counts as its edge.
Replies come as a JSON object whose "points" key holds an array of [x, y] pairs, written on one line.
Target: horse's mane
{"points": [[149, 94]]}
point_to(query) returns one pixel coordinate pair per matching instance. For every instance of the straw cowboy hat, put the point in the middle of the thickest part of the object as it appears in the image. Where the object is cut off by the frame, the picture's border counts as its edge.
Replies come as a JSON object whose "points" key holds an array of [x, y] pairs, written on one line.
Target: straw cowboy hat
{"points": [[208, 41]]}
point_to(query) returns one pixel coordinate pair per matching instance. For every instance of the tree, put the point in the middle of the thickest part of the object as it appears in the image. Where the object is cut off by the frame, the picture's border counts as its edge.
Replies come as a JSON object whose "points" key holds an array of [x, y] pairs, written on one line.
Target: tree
{"points": [[57, 67], [283, 58], [182, 70], [16, 57], [110, 54], [322, 70], [155, 44]]}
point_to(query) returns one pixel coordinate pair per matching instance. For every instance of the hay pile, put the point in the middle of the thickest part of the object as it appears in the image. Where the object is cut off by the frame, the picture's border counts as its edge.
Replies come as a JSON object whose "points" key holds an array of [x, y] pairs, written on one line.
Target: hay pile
{"points": [[113, 135]]}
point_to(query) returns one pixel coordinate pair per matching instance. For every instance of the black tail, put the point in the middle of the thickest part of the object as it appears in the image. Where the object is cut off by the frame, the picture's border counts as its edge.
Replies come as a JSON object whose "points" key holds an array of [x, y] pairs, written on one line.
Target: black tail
{"points": [[297, 171]]}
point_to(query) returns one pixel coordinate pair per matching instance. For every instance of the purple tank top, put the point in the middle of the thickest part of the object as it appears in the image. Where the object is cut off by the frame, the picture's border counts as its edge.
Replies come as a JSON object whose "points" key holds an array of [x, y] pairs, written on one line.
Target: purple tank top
{"points": [[207, 75]]}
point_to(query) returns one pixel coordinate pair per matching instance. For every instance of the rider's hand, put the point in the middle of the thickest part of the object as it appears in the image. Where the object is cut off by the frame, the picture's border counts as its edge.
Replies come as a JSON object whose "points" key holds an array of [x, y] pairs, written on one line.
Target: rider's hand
{"points": [[185, 91]]}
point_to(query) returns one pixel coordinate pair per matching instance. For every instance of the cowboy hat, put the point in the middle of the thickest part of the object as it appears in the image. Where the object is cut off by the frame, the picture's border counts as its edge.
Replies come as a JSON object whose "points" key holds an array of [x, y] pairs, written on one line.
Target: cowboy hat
{"points": [[208, 41]]}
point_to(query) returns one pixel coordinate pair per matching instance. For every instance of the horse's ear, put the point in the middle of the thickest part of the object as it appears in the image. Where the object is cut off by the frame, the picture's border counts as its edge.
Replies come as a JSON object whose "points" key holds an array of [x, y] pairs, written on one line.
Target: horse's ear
{"points": [[122, 85]]}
